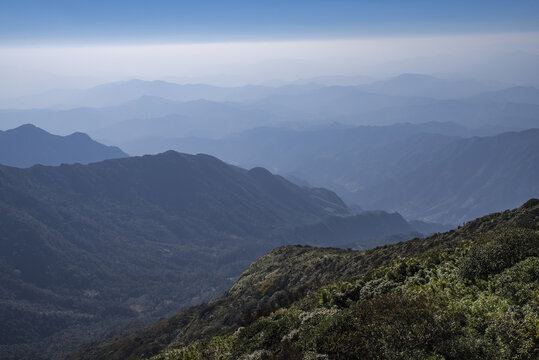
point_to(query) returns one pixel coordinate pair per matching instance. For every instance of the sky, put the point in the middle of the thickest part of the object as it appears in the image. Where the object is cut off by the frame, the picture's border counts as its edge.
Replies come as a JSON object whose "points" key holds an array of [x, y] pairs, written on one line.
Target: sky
{"points": [[98, 21], [80, 43]]}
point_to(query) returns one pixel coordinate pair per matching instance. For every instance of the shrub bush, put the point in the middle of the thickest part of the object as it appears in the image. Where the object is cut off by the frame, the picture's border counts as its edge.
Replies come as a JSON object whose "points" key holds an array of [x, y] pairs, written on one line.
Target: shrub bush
{"points": [[497, 251]]}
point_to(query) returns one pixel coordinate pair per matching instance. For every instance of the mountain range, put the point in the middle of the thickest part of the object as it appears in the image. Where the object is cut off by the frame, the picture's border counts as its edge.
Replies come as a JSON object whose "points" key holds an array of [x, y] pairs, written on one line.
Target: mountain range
{"points": [[374, 167], [95, 246], [403, 167], [120, 122], [116, 93], [427, 86], [113, 112], [462, 179], [88, 251]]}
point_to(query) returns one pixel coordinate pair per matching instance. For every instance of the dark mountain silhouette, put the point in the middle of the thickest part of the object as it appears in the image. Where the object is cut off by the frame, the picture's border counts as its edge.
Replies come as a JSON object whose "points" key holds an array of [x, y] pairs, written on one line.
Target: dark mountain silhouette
{"points": [[87, 250], [28, 145], [404, 168], [299, 300]]}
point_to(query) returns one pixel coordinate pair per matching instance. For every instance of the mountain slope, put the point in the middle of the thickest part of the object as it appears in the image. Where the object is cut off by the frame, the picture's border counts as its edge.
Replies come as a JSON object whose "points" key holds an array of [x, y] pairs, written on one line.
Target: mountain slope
{"points": [[89, 250], [363, 231], [28, 145], [283, 308], [463, 179]]}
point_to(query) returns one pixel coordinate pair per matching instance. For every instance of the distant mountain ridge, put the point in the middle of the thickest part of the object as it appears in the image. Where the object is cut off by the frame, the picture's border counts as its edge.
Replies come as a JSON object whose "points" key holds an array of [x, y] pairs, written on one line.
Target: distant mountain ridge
{"points": [[29, 145], [107, 111], [516, 94], [427, 86], [383, 167], [476, 176], [363, 231], [113, 122], [115, 93]]}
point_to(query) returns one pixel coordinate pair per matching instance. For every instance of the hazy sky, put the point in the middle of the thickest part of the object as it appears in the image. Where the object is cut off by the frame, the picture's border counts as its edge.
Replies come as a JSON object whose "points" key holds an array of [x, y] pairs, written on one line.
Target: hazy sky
{"points": [[79, 43]]}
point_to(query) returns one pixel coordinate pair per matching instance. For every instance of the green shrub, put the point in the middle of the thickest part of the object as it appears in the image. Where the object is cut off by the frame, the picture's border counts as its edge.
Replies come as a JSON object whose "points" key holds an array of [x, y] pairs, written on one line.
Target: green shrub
{"points": [[497, 251], [519, 282]]}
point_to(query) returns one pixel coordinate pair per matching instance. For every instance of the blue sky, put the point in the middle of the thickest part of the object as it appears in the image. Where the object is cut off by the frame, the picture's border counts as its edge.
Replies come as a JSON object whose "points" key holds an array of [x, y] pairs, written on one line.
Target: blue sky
{"points": [[99, 21]]}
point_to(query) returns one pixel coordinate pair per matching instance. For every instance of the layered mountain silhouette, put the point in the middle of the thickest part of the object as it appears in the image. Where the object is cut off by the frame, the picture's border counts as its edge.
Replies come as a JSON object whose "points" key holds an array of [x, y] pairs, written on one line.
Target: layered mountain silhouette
{"points": [[102, 244], [116, 93], [200, 118], [28, 145], [143, 117], [124, 111]]}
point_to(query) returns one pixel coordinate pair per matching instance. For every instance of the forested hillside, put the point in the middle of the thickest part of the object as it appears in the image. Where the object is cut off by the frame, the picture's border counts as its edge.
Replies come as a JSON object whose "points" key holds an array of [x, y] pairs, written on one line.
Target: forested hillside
{"points": [[469, 293], [87, 251]]}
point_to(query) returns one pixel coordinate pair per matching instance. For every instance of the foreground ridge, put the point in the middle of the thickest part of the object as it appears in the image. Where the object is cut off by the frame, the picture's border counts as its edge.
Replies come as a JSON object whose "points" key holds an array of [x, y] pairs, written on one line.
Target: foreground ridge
{"points": [[467, 293]]}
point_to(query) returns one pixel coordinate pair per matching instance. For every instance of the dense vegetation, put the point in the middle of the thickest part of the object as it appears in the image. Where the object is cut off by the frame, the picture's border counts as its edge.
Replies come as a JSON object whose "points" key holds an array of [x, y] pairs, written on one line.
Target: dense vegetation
{"points": [[460, 303], [470, 293]]}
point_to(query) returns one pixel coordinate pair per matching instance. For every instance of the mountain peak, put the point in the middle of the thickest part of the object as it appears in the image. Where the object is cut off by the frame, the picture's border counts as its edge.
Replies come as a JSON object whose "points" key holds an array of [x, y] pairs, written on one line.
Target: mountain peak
{"points": [[27, 129], [80, 135], [29, 145], [27, 126], [530, 204], [260, 171]]}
